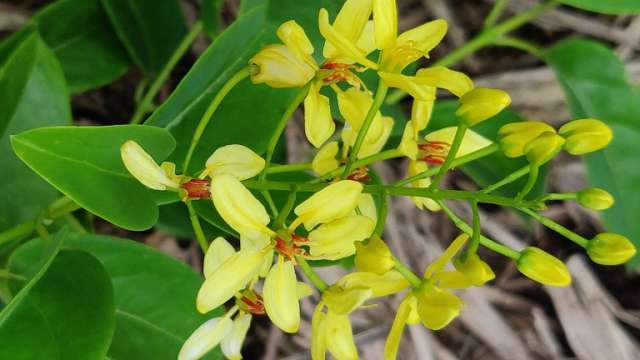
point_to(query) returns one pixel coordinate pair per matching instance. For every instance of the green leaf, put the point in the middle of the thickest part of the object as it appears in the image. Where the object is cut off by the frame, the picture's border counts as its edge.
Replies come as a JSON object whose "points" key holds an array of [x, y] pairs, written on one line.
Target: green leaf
{"points": [[621, 7], [34, 95], [154, 295], [79, 33], [64, 311], [84, 163], [210, 15], [149, 29], [250, 113], [597, 86], [248, 5]]}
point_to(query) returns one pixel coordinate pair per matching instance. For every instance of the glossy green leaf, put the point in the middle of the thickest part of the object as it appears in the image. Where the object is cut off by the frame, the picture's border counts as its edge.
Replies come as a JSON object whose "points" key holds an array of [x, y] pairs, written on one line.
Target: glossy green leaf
{"points": [[248, 5], [79, 33], [65, 310], [210, 15], [250, 113], [154, 295], [606, 6], [84, 163], [149, 29], [597, 86], [34, 95]]}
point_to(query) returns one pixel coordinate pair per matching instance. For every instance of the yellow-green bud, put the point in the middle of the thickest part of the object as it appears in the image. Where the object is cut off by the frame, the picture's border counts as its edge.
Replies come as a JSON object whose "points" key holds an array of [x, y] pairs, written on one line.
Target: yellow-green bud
{"points": [[610, 249], [513, 137], [543, 148], [585, 136], [474, 269], [481, 104], [374, 257], [595, 198], [543, 267]]}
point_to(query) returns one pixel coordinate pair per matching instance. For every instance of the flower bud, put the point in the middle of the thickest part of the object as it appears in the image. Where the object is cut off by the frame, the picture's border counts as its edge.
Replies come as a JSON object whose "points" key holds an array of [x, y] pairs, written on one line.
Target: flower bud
{"points": [[542, 267], [205, 338], [318, 122], [279, 67], [513, 137], [236, 160], [595, 198], [610, 249], [481, 104], [232, 343], [475, 270], [585, 135], [294, 37], [325, 160], [280, 293], [142, 167], [374, 257], [543, 148], [333, 202]]}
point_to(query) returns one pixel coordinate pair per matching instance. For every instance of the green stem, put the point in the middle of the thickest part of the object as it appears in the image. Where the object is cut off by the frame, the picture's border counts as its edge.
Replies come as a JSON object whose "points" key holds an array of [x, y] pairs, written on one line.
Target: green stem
{"points": [[404, 270], [531, 182], [382, 215], [208, 114], [557, 228], [197, 228], [286, 209], [74, 223], [520, 44], [498, 8], [484, 241], [381, 156], [277, 169], [485, 151], [315, 279], [485, 38], [381, 93], [185, 44], [453, 151], [507, 180], [475, 238], [559, 196]]}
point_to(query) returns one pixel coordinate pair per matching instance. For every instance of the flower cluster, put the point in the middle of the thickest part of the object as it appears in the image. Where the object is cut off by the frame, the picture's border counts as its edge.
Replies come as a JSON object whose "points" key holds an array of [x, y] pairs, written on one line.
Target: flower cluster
{"points": [[342, 218]]}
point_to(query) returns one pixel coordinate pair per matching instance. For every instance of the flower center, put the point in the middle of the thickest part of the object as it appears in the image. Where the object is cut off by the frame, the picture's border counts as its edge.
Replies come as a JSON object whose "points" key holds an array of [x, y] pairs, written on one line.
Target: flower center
{"points": [[251, 303], [290, 250], [197, 188], [433, 152]]}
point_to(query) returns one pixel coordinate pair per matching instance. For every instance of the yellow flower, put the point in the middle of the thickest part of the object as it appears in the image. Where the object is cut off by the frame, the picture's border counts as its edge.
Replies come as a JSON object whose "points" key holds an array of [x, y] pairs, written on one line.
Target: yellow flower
{"points": [[413, 44], [339, 336], [397, 328], [373, 256], [481, 104], [219, 251], [335, 239], [238, 207], [333, 202], [610, 249], [281, 296], [419, 86], [408, 144], [289, 65], [543, 148], [318, 122], [232, 343], [585, 135], [595, 198], [475, 270], [367, 207], [351, 23], [344, 300], [542, 267], [437, 308], [236, 160], [385, 23], [205, 338], [421, 113], [385, 284], [471, 142], [513, 137], [372, 144], [142, 167], [343, 44], [325, 160]]}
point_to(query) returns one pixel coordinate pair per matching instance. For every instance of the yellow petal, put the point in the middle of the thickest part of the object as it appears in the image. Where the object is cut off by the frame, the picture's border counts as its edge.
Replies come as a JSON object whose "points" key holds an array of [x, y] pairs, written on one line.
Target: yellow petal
{"points": [[367, 207], [481, 104], [318, 339], [441, 77], [426, 36], [374, 256], [335, 240], [421, 113], [415, 168], [238, 207], [610, 249], [281, 296], [513, 137], [303, 290], [451, 280], [279, 67], [333, 202], [414, 317], [318, 122], [205, 338], [585, 135], [232, 343], [229, 278], [385, 21], [373, 145], [446, 256], [367, 41], [342, 301], [543, 148], [337, 331], [342, 44], [388, 283], [543, 267], [325, 160], [142, 167], [255, 242], [219, 251], [294, 37], [475, 269], [354, 105], [350, 23], [236, 160], [471, 142], [408, 145], [409, 84], [397, 328], [437, 308]]}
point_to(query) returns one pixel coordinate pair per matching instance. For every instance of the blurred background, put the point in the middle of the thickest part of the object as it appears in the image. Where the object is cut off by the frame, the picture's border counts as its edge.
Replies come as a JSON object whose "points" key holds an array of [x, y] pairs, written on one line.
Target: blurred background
{"points": [[598, 317]]}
